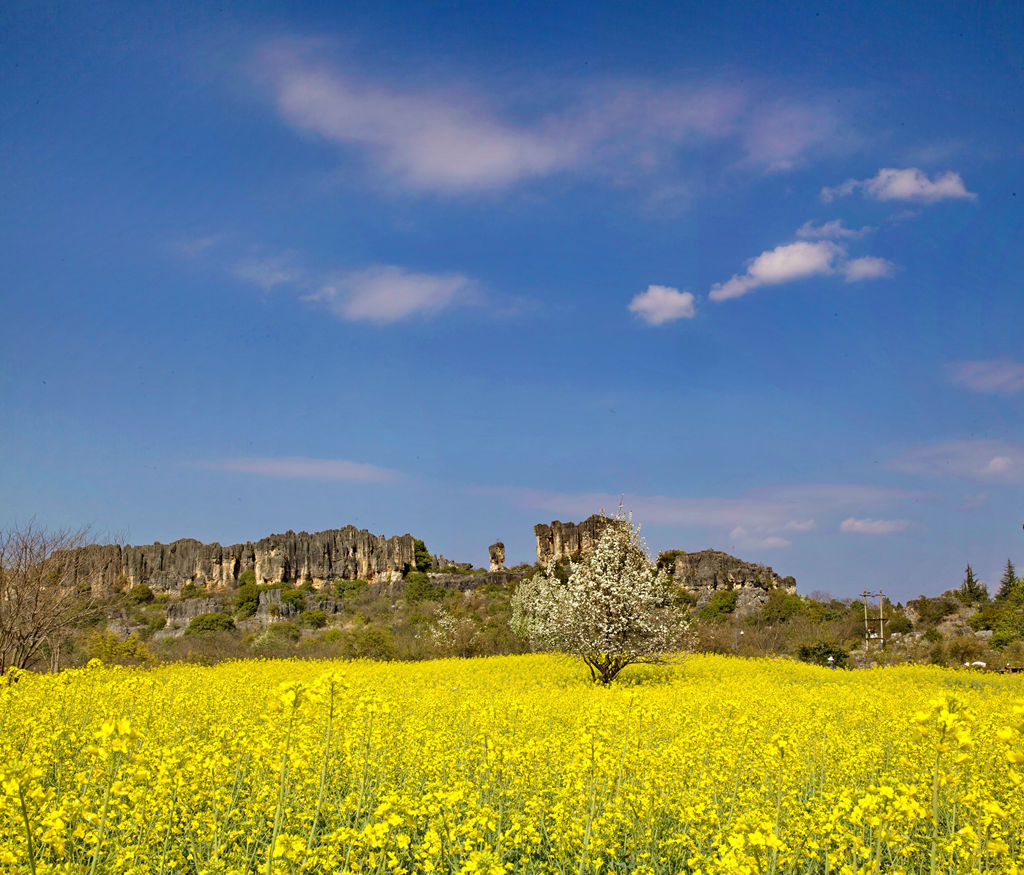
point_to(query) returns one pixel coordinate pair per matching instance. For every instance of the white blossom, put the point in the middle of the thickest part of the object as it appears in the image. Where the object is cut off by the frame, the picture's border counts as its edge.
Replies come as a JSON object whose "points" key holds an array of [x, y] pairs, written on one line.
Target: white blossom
{"points": [[613, 611]]}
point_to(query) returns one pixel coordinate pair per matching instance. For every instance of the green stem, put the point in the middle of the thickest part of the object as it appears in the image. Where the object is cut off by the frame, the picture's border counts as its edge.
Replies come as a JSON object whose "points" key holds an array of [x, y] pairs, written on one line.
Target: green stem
{"points": [[28, 831], [280, 793], [103, 817], [323, 773], [170, 822]]}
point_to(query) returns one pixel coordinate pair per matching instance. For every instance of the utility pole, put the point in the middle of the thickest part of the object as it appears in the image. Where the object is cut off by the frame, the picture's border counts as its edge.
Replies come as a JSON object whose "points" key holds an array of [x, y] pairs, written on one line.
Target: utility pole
{"points": [[874, 627]]}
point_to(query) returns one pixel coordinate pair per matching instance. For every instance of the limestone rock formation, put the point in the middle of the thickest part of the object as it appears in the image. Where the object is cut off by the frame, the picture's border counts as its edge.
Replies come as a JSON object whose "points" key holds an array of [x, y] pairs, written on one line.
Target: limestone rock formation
{"points": [[562, 540], [441, 563], [467, 582], [347, 553], [497, 554], [708, 571]]}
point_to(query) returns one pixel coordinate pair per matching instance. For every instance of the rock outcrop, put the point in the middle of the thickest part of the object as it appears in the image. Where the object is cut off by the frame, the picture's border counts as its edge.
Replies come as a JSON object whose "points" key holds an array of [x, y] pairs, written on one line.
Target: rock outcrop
{"points": [[467, 582], [563, 540], [347, 553], [497, 555], [706, 572]]}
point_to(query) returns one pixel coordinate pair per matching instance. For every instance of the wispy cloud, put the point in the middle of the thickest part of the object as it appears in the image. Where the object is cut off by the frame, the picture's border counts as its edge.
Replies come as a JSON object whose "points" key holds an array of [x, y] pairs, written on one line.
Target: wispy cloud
{"points": [[984, 460], [834, 230], [749, 540], [910, 184], [380, 293], [269, 271], [754, 518], [301, 468], [661, 304], [454, 141], [781, 132], [869, 526], [386, 293], [426, 140], [992, 376]]}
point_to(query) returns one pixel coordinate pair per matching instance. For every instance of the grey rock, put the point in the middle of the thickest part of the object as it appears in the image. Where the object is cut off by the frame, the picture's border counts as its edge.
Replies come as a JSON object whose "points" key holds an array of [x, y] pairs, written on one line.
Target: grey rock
{"points": [[347, 553], [562, 540], [440, 563], [469, 582], [180, 614], [707, 571], [497, 555], [271, 607]]}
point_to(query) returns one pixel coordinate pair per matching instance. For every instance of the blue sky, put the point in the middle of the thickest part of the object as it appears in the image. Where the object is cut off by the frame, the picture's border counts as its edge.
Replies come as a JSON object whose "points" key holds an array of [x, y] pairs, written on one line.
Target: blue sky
{"points": [[455, 269]]}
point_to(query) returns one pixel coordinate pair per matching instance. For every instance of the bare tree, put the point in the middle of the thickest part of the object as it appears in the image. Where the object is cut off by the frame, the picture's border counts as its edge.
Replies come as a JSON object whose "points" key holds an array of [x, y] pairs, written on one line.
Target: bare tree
{"points": [[40, 602]]}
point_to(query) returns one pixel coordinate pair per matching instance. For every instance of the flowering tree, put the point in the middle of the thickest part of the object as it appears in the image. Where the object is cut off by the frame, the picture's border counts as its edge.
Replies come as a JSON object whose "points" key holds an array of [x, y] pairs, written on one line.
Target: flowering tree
{"points": [[613, 611]]}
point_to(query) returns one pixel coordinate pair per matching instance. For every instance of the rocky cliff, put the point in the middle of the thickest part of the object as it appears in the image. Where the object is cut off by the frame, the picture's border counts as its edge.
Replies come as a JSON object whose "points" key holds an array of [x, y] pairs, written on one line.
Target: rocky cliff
{"points": [[708, 571], [562, 540], [701, 573], [347, 553]]}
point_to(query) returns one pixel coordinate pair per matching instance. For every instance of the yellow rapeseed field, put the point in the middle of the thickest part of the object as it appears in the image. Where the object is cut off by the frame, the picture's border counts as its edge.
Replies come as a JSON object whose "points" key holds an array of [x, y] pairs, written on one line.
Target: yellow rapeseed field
{"points": [[514, 764]]}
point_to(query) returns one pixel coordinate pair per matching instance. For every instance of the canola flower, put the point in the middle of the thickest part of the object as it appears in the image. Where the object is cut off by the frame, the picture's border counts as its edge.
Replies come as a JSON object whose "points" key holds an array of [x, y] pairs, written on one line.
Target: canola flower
{"points": [[509, 765]]}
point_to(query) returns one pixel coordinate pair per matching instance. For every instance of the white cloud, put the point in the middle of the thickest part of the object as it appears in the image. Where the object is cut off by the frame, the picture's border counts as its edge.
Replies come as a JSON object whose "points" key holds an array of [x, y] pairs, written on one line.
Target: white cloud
{"points": [[993, 376], [453, 141], [660, 304], [748, 540], [984, 460], [869, 526], [782, 264], [269, 272], [833, 230], [781, 132], [909, 184], [750, 519], [195, 247], [300, 468], [867, 268], [426, 140], [386, 293]]}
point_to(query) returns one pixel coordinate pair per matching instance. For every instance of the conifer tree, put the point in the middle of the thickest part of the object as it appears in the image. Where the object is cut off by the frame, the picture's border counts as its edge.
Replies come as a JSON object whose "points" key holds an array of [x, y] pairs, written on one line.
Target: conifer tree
{"points": [[972, 589], [1008, 583]]}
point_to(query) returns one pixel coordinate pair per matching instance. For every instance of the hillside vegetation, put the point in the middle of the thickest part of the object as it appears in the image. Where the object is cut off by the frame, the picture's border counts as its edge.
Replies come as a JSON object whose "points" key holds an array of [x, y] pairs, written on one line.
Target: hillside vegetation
{"points": [[464, 612]]}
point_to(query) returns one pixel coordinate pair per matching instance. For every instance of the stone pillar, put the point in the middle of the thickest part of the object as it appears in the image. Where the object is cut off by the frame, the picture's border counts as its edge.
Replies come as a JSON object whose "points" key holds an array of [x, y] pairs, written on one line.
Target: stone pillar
{"points": [[497, 553]]}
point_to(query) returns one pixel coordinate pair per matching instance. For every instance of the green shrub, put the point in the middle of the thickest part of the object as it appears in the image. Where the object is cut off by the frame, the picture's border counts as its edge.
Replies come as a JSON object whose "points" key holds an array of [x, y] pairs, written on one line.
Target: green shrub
{"points": [[294, 597], [247, 600], [369, 643], [191, 591], [819, 652], [344, 589], [722, 603], [113, 649], [932, 611], [140, 595], [418, 588], [1002, 636], [284, 630], [219, 621], [422, 560], [315, 619], [247, 578], [780, 607], [667, 560], [899, 625]]}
